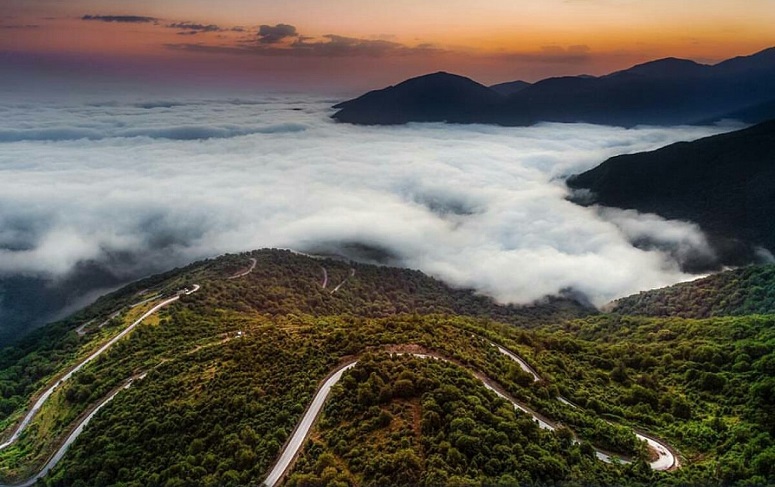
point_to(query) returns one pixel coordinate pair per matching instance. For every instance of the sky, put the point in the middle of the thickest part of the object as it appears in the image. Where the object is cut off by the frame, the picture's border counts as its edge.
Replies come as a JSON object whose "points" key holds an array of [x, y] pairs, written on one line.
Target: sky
{"points": [[350, 45]]}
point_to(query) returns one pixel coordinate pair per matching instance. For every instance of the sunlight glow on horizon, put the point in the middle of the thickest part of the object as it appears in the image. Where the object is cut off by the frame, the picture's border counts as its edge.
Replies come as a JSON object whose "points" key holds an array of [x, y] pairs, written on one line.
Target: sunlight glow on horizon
{"points": [[496, 40]]}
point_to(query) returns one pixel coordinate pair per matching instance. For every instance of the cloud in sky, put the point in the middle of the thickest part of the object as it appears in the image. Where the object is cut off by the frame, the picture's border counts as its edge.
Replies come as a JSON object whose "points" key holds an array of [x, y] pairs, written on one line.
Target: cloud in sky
{"points": [[19, 26], [327, 46], [285, 40], [406, 55], [272, 40], [272, 34], [165, 182], [502, 43], [194, 28], [552, 54], [123, 19], [336, 45]]}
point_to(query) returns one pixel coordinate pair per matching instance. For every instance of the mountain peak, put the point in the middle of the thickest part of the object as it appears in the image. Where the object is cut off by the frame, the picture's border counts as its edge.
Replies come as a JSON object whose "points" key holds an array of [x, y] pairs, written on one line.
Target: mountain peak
{"points": [[440, 78], [669, 66], [434, 97], [510, 87]]}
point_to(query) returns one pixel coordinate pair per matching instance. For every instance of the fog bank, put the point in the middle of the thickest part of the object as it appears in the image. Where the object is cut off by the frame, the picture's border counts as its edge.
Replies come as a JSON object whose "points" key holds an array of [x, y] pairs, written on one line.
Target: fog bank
{"points": [[142, 186]]}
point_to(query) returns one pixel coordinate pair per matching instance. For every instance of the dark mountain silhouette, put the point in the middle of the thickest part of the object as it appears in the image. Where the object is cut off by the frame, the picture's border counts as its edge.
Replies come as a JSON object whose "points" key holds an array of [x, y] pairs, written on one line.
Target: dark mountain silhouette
{"points": [[664, 92], [665, 68], [724, 183], [510, 87], [438, 97], [761, 112]]}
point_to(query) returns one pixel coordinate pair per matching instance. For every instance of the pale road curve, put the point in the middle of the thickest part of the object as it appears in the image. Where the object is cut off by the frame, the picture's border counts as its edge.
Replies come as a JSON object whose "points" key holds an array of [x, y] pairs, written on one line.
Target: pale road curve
{"points": [[325, 278], [191, 291], [253, 263], [352, 273], [303, 428], [666, 459], [81, 330], [522, 364], [139, 303], [113, 315], [69, 441], [43, 397], [300, 433]]}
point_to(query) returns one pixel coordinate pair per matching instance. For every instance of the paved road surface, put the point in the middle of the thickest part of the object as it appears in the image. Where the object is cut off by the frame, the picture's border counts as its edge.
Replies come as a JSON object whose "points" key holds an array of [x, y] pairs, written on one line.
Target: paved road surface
{"points": [[352, 273], [302, 429], [81, 330], [665, 461], [253, 263], [69, 441], [43, 397], [665, 457], [522, 364]]}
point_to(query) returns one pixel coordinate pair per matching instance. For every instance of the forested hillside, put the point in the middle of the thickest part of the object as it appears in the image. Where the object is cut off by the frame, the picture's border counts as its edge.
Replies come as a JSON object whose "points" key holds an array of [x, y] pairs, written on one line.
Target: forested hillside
{"points": [[750, 290], [222, 376]]}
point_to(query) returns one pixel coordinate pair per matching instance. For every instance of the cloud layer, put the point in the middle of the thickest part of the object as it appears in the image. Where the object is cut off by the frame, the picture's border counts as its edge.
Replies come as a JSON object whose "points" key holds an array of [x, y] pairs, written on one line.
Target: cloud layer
{"points": [[165, 182], [123, 19]]}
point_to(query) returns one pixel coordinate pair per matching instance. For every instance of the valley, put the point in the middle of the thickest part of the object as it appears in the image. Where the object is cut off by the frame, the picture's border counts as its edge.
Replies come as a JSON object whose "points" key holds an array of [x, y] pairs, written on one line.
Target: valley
{"points": [[289, 329]]}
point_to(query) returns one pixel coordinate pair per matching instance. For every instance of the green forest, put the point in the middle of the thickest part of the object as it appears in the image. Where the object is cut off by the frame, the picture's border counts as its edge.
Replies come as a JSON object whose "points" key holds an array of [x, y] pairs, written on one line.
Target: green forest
{"points": [[222, 377], [750, 290]]}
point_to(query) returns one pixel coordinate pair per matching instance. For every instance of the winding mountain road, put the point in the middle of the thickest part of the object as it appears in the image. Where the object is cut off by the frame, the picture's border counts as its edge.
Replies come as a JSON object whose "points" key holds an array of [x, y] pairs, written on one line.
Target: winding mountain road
{"points": [[522, 364], [300, 433], [81, 330], [352, 273], [69, 441], [325, 278], [665, 461], [140, 303], [247, 271], [113, 315], [48, 392]]}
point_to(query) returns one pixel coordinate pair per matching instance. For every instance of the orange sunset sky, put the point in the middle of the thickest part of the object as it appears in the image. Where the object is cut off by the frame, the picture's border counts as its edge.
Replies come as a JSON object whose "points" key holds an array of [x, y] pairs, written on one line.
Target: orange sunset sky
{"points": [[358, 44]]}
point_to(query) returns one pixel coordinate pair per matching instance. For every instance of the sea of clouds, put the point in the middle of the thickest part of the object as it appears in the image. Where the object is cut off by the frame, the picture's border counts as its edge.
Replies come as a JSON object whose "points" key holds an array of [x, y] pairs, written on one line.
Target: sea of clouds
{"points": [[143, 186]]}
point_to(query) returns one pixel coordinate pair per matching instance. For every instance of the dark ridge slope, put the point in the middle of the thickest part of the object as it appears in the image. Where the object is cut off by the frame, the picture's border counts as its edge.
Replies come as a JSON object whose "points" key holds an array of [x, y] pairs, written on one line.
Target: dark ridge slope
{"points": [[724, 183], [761, 112]]}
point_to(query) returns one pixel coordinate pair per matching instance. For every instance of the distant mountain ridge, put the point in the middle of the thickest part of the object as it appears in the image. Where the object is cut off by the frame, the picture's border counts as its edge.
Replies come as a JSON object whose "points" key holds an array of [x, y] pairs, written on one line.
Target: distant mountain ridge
{"points": [[724, 183], [667, 91]]}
